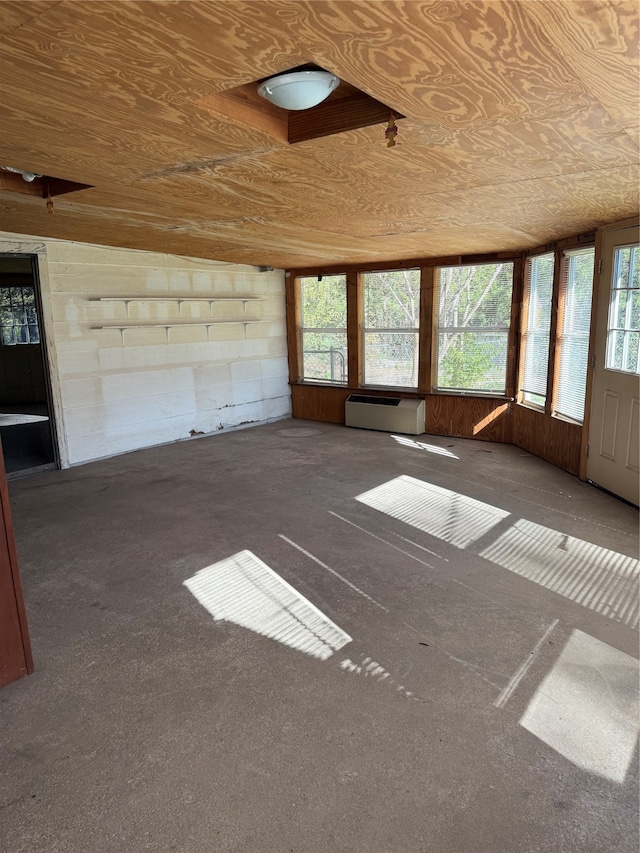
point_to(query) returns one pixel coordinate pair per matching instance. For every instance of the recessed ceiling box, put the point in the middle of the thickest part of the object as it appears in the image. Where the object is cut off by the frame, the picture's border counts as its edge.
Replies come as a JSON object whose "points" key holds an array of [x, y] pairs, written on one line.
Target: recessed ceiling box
{"points": [[279, 105], [13, 180]]}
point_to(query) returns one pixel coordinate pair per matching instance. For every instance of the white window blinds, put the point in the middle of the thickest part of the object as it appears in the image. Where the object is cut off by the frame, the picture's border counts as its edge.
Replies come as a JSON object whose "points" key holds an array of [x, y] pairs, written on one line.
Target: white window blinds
{"points": [[535, 336], [576, 288]]}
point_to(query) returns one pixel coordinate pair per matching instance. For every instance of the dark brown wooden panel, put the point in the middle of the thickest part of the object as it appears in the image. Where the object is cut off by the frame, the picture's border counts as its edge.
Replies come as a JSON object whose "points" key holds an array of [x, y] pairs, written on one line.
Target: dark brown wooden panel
{"points": [[292, 294], [465, 417], [15, 649], [428, 314], [338, 117], [468, 417], [319, 403], [552, 439], [354, 328]]}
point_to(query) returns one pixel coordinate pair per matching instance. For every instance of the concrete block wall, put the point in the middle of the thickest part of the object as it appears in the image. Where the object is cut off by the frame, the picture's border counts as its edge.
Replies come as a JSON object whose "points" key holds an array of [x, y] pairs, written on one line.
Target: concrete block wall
{"points": [[129, 372]]}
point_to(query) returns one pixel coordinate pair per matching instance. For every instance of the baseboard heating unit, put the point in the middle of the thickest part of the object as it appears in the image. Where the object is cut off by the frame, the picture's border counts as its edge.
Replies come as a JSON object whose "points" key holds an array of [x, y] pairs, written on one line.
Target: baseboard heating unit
{"points": [[389, 414]]}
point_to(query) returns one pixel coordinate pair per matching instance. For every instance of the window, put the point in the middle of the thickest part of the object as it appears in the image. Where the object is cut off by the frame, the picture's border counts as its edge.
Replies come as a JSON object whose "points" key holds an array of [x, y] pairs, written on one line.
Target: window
{"points": [[19, 320], [474, 313], [624, 312], [538, 290], [576, 287], [323, 321], [391, 319]]}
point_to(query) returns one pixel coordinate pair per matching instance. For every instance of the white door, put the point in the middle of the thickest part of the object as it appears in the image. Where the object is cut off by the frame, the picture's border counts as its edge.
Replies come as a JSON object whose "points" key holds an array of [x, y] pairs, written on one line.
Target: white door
{"points": [[614, 440]]}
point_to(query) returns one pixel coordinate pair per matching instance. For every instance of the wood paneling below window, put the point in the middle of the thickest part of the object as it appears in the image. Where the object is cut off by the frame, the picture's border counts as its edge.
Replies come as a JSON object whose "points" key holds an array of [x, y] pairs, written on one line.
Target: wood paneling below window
{"points": [[551, 438], [488, 419]]}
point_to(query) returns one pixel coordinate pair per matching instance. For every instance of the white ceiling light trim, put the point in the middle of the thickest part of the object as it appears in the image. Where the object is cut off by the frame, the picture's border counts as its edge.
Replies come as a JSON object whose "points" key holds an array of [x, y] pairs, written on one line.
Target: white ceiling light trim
{"points": [[299, 90]]}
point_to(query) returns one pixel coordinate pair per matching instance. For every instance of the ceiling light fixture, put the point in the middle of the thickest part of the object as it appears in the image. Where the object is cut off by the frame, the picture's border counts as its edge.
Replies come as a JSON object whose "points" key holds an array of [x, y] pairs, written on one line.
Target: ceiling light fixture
{"points": [[26, 176], [298, 90]]}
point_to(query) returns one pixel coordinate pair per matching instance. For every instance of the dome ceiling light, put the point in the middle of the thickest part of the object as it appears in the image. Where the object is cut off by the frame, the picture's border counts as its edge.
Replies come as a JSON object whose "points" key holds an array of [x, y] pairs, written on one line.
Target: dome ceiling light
{"points": [[298, 90]]}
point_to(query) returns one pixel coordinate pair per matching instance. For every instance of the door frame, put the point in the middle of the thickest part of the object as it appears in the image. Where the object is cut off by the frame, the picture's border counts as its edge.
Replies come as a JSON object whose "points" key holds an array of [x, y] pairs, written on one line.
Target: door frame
{"points": [[597, 284], [20, 659], [37, 252]]}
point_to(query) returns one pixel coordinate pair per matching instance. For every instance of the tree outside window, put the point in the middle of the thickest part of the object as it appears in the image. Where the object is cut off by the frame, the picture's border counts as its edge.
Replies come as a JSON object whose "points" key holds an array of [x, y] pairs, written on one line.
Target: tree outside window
{"points": [[323, 327], [474, 314], [391, 321]]}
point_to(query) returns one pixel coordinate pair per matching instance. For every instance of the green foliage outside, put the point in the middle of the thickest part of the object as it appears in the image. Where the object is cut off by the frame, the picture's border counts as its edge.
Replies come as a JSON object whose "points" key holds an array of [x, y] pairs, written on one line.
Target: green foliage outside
{"points": [[323, 309], [474, 315], [623, 344], [18, 317]]}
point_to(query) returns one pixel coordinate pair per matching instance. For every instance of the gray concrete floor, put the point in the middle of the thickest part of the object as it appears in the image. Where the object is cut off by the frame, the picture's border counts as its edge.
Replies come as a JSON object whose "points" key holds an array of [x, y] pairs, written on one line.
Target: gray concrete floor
{"points": [[485, 702]]}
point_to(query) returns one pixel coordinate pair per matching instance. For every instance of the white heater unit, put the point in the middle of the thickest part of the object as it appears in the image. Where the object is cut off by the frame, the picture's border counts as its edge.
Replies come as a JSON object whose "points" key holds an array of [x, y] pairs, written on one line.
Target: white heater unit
{"points": [[390, 414]]}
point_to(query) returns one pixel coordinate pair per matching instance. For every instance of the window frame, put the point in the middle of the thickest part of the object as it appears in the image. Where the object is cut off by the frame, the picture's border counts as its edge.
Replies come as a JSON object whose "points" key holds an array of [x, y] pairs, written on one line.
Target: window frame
{"points": [[507, 330], [614, 297], [561, 338], [302, 329], [526, 331], [426, 372], [387, 330]]}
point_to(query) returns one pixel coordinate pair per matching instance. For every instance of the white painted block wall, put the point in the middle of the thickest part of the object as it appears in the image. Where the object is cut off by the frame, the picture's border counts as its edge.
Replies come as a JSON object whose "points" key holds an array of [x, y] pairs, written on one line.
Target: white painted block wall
{"points": [[121, 389]]}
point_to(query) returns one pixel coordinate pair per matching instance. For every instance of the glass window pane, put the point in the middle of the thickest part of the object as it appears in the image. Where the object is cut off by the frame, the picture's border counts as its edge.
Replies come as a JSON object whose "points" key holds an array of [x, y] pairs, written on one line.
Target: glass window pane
{"points": [[633, 321], [392, 299], [8, 337], [474, 314], [622, 258], [391, 319], [323, 314], [536, 364], [323, 303], [630, 363], [324, 356], [18, 315], [619, 308], [535, 343], [391, 358], [624, 311], [574, 335], [472, 361], [536, 399], [614, 350], [475, 296], [573, 372]]}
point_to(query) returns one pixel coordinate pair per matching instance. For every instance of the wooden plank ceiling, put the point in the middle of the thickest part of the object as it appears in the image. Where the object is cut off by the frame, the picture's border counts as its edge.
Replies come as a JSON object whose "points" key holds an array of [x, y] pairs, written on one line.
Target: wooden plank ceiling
{"points": [[521, 125]]}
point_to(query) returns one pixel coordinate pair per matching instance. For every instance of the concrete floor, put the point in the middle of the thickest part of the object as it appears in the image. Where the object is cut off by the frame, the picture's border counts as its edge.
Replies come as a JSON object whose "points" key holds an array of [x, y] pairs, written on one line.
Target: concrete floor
{"points": [[473, 686]]}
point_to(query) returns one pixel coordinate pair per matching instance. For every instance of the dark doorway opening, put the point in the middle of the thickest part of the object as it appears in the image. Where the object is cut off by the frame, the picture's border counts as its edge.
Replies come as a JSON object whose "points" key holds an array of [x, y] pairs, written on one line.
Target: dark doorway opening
{"points": [[26, 413]]}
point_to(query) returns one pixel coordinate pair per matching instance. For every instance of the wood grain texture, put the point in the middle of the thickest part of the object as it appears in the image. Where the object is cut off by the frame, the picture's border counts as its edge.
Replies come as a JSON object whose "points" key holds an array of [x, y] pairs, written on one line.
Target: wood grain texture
{"points": [[513, 346], [319, 403], [292, 296], [521, 125], [15, 648], [428, 338], [552, 439], [464, 417], [468, 417], [355, 310]]}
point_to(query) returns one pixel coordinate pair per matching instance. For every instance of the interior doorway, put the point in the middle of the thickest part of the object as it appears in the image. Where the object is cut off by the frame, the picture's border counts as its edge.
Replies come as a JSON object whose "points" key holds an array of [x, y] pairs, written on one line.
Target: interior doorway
{"points": [[27, 429]]}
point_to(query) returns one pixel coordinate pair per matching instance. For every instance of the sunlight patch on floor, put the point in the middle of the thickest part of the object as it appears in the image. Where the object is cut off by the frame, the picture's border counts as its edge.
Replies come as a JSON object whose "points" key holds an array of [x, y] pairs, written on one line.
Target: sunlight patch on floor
{"points": [[586, 707], [369, 668], [421, 445], [599, 579], [450, 516], [244, 590]]}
